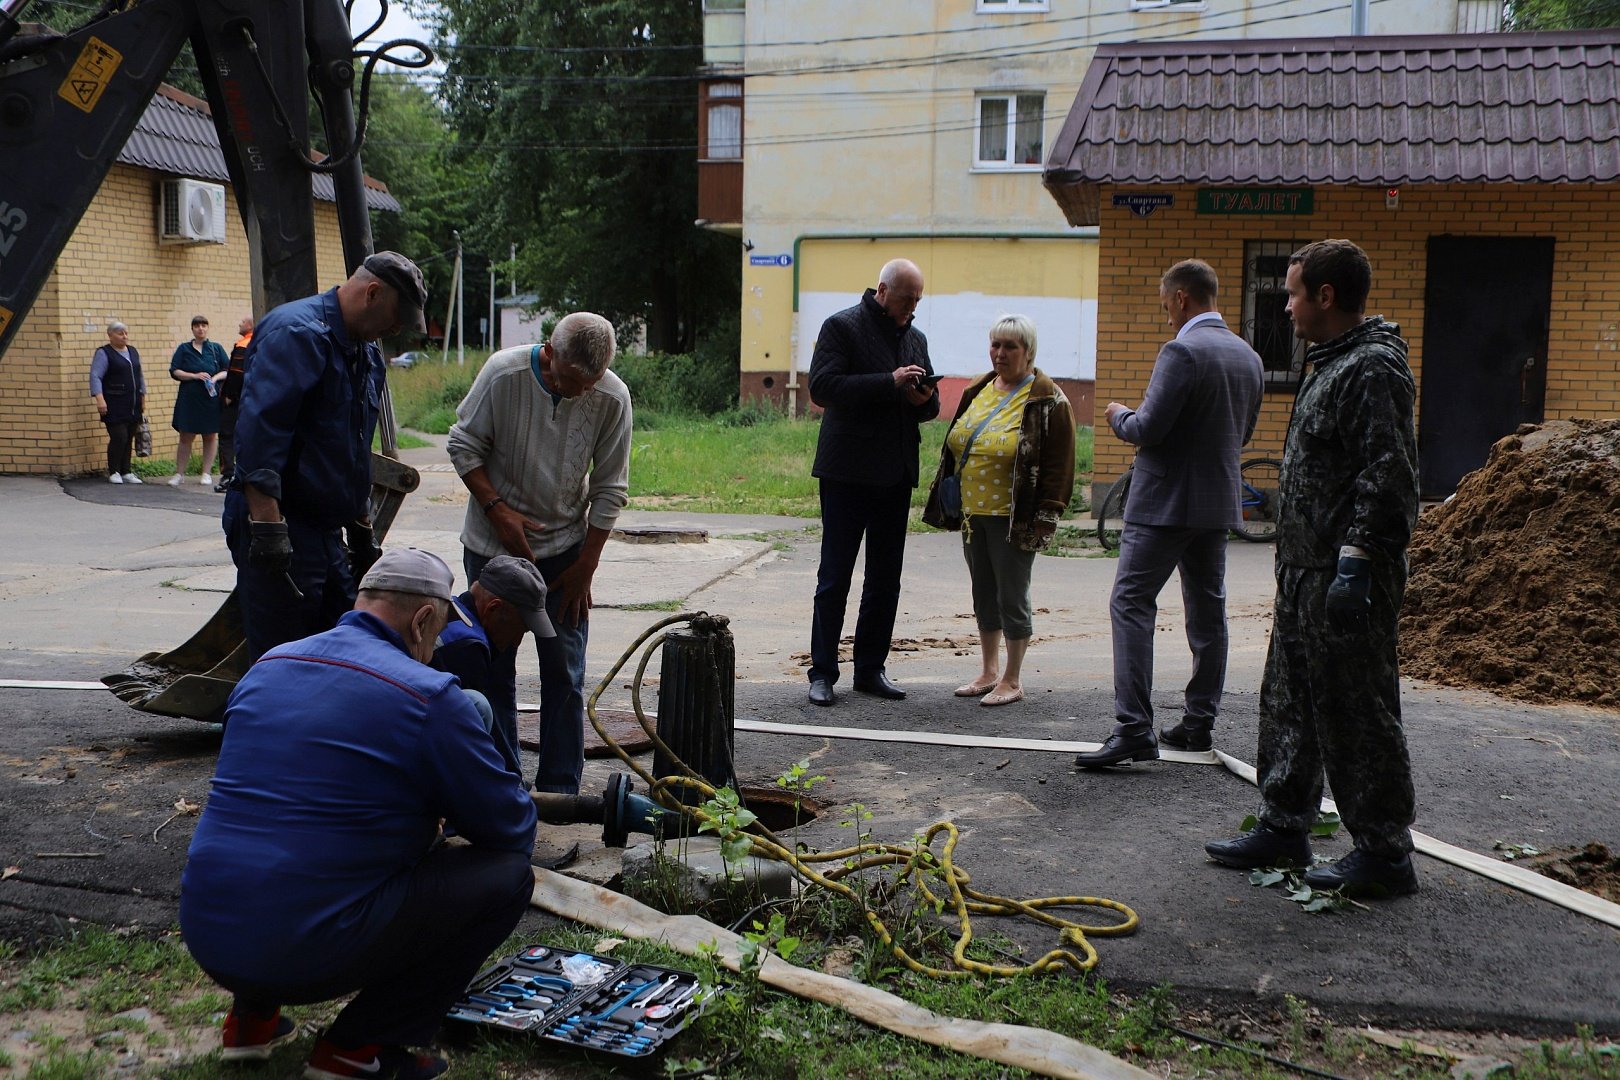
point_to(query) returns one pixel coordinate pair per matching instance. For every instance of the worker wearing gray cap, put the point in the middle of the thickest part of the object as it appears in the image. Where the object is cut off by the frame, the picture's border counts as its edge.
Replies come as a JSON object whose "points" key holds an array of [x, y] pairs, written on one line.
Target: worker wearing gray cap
{"points": [[310, 400], [507, 601], [312, 873]]}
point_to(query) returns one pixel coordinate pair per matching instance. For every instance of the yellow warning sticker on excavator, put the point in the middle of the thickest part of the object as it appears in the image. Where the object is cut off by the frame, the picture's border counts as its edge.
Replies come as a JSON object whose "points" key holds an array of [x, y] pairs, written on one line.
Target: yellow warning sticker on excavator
{"points": [[91, 74]]}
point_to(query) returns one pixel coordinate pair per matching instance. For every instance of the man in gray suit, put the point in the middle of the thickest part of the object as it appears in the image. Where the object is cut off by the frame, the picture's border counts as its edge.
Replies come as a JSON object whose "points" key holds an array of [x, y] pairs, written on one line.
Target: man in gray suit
{"points": [[1201, 406]]}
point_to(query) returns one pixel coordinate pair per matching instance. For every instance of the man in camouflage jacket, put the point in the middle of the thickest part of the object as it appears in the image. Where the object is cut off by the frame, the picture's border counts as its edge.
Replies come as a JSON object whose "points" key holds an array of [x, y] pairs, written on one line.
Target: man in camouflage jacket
{"points": [[1330, 697]]}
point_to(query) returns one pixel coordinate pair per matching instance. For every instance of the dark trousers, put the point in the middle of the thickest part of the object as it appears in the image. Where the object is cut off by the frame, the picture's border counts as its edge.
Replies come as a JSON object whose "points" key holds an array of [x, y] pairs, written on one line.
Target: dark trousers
{"points": [[562, 682], [1331, 702], [1147, 555], [271, 612], [120, 444], [850, 512], [460, 904], [227, 438]]}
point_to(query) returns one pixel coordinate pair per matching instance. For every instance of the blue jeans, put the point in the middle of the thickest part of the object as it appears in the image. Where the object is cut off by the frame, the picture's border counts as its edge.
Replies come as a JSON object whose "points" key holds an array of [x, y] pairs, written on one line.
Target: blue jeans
{"points": [[562, 681]]}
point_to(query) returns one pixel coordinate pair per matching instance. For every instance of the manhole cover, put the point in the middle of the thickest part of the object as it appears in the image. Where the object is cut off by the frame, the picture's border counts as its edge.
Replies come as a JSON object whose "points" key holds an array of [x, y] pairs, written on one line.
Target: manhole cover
{"points": [[620, 723]]}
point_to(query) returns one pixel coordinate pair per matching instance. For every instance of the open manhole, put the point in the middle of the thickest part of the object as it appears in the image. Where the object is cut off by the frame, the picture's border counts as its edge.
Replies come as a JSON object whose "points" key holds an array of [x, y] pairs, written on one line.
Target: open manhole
{"points": [[780, 810]]}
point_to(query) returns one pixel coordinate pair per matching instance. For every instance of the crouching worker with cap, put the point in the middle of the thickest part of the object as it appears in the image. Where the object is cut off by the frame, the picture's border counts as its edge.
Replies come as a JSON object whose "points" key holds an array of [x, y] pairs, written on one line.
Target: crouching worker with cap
{"points": [[486, 627], [312, 873]]}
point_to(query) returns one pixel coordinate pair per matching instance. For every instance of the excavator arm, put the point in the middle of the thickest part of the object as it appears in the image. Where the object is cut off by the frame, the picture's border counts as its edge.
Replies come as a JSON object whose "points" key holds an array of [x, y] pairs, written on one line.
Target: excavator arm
{"points": [[68, 103]]}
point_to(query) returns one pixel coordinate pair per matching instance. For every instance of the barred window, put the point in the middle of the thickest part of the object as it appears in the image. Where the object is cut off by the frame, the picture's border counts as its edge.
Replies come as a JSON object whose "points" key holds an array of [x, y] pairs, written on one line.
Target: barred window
{"points": [[1266, 325]]}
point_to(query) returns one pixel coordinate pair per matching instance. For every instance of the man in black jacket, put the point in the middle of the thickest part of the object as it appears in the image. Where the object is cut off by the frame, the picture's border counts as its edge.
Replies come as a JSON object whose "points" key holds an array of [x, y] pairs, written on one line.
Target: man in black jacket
{"points": [[866, 374]]}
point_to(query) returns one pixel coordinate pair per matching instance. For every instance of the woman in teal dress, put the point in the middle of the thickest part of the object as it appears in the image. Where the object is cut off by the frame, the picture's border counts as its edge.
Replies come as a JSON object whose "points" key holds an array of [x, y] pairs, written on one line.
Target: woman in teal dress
{"points": [[198, 366]]}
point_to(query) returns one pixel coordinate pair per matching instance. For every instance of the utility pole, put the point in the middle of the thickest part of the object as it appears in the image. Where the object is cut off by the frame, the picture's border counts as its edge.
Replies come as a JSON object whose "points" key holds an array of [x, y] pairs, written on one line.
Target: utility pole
{"points": [[512, 258], [489, 339], [450, 302], [461, 304]]}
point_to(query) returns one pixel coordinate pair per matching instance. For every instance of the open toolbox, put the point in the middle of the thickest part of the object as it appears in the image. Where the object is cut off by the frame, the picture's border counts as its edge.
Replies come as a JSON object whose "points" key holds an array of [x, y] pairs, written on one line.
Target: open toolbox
{"points": [[581, 999]]}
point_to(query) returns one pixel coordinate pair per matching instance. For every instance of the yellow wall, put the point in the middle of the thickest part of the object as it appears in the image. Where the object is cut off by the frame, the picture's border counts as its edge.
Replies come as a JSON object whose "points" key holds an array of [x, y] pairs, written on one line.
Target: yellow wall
{"points": [[1583, 369], [114, 268], [876, 136]]}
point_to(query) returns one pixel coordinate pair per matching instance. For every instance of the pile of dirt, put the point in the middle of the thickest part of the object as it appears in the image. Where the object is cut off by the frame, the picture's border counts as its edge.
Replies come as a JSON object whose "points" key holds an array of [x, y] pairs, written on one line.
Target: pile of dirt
{"points": [[1515, 581], [1591, 869]]}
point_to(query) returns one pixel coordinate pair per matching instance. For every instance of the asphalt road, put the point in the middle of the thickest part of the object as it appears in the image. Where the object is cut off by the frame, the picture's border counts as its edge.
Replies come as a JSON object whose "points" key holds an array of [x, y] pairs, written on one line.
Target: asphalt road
{"points": [[93, 575]]}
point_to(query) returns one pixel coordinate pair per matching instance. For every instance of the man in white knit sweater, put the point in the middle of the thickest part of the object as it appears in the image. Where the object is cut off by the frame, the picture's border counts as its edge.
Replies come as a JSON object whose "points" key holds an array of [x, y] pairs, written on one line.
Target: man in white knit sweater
{"points": [[542, 442]]}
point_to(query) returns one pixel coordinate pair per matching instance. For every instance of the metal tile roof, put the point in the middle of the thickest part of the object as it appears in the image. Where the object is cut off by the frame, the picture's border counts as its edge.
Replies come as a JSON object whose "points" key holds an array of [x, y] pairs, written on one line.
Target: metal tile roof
{"points": [[1466, 108], [176, 135]]}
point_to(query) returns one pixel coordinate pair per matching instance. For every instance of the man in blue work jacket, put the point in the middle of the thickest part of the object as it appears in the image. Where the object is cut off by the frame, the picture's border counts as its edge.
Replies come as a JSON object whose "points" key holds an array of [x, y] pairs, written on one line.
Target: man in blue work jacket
{"points": [[313, 872], [310, 400], [479, 648]]}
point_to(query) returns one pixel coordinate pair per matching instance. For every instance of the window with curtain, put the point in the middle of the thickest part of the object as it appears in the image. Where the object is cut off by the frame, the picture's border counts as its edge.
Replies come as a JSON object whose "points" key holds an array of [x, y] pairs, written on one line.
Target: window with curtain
{"points": [[1010, 131], [725, 121]]}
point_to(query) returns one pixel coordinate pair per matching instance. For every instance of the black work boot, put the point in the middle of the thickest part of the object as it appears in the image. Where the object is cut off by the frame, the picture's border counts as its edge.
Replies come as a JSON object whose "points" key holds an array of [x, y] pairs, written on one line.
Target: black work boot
{"points": [[1263, 846], [1362, 873]]}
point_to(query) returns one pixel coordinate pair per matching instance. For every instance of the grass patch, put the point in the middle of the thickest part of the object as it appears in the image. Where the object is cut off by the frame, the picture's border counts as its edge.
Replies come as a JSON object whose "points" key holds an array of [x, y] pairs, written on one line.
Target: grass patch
{"points": [[402, 439], [757, 462], [652, 605], [426, 394], [781, 1038]]}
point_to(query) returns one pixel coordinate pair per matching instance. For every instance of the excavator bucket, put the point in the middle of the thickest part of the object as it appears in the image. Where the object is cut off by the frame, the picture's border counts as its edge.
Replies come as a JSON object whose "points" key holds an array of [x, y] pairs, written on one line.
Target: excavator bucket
{"points": [[193, 680]]}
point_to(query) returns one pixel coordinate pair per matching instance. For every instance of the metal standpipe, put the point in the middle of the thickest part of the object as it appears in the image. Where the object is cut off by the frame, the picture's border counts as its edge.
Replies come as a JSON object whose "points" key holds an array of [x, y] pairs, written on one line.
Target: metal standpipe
{"points": [[697, 704]]}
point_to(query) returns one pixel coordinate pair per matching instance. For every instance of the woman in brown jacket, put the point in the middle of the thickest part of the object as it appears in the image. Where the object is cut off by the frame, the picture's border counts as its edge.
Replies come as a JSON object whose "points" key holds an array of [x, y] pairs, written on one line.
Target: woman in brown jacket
{"points": [[1010, 458]]}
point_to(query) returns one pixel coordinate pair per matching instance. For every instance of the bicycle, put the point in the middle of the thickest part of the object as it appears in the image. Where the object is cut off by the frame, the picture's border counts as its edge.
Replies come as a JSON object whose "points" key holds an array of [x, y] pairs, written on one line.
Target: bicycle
{"points": [[1259, 477]]}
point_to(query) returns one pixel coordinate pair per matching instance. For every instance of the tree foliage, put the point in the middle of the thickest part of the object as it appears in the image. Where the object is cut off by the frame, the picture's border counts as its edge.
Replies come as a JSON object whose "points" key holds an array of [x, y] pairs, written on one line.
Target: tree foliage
{"points": [[585, 119], [411, 147], [1560, 14]]}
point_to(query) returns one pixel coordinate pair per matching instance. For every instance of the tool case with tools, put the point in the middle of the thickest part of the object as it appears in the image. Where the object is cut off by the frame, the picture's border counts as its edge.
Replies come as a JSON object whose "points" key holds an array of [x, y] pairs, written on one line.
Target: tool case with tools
{"points": [[580, 999]]}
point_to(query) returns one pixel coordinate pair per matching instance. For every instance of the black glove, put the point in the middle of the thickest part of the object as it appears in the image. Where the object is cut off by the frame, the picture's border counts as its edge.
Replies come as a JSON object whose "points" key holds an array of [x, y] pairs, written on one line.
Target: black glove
{"points": [[269, 550], [1349, 598], [363, 549]]}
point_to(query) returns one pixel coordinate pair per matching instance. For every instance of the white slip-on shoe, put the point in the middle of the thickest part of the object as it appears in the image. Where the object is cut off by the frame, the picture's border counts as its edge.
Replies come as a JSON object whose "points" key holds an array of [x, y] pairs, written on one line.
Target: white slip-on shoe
{"points": [[131, 478]]}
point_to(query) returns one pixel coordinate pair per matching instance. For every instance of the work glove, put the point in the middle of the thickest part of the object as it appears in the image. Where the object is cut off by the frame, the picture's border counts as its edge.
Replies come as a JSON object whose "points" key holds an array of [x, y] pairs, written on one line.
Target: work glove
{"points": [[1349, 597], [363, 549], [269, 548]]}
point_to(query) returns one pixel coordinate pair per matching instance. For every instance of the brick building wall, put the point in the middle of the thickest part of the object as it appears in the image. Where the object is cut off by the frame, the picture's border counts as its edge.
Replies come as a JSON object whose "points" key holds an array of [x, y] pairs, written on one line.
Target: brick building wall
{"points": [[1583, 371], [114, 268]]}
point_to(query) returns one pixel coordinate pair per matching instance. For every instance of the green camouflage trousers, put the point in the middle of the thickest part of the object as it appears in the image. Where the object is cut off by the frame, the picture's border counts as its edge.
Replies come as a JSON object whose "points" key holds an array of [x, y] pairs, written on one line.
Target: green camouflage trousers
{"points": [[1332, 701]]}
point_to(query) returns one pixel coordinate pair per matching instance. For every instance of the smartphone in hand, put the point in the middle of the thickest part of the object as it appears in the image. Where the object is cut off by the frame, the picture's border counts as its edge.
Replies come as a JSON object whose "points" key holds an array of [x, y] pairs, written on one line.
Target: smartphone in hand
{"points": [[928, 380]]}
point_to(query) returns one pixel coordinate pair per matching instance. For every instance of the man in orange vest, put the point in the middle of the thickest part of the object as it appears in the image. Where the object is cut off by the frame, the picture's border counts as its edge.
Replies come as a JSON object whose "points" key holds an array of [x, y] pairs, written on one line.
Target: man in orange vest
{"points": [[230, 400]]}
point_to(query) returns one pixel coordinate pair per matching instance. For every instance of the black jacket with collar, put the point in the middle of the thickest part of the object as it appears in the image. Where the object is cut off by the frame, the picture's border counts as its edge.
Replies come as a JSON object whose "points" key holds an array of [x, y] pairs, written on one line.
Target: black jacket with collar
{"points": [[868, 429]]}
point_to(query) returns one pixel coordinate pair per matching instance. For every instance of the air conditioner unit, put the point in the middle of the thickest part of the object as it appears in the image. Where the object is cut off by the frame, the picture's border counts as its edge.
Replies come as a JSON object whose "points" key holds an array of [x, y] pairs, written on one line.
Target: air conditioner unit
{"points": [[192, 212]]}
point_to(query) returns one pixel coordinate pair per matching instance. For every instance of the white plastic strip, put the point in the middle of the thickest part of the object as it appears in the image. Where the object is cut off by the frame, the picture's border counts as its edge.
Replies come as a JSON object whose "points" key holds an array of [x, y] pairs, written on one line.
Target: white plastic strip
{"points": [[34, 684]]}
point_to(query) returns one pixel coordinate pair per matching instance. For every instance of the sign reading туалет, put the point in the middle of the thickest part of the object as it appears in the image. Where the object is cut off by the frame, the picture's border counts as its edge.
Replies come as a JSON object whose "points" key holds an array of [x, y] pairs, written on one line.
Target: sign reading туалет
{"points": [[1283, 201]]}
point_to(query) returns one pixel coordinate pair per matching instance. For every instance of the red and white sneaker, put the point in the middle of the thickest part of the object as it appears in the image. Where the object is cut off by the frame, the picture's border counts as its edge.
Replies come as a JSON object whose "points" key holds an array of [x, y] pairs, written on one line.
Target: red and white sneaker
{"points": [[372, 1062], [252, 1038]]}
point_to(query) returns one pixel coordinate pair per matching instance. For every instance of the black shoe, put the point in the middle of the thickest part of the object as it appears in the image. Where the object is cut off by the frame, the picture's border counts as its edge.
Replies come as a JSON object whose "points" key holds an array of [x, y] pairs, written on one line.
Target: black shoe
{"points": [[821, 692], [1361, 873], [1183, 737], [879, 686], [1263, 846], [1118, 749]]}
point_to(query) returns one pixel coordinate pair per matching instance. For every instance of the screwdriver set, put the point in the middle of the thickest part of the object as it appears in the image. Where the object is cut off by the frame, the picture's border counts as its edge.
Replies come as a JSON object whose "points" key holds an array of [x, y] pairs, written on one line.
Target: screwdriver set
{"points": [[584, 1000]]}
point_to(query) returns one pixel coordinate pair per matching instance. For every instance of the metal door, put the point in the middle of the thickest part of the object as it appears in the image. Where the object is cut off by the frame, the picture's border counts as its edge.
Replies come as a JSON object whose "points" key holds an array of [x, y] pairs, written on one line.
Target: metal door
{"points": [[1484, 369]]}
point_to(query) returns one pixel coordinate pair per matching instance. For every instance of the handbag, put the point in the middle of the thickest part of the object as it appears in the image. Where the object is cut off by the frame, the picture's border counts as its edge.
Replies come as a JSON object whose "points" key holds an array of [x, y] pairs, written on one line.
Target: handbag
{"points": [[143, 439], [950, 487]]}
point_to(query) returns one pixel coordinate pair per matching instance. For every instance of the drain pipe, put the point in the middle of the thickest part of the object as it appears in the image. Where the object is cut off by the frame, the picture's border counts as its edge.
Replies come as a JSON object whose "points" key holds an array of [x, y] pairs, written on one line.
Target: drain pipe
{"points": [[1358, 18]]}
